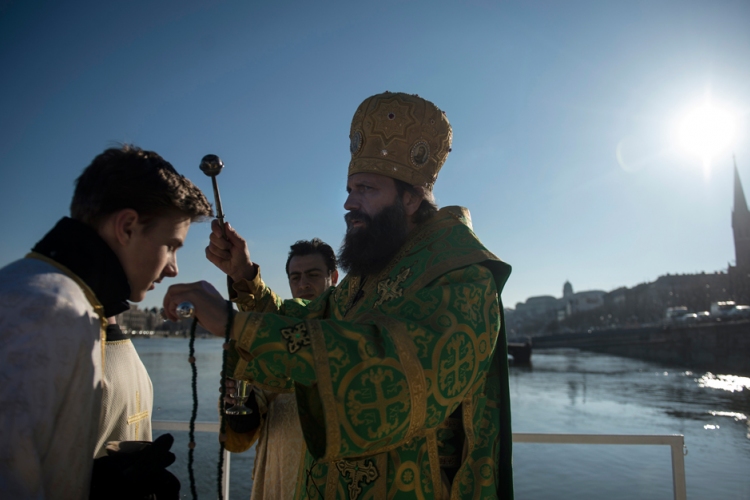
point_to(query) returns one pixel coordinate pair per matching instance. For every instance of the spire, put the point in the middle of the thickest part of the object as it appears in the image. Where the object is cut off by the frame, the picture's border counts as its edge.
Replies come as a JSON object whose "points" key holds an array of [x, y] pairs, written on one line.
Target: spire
{"points": [[740, 224], [740, 204]]}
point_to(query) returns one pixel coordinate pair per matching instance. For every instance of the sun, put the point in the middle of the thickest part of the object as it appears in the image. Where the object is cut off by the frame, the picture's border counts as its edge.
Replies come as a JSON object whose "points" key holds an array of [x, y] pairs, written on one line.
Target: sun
{"points": [[707, 130]]}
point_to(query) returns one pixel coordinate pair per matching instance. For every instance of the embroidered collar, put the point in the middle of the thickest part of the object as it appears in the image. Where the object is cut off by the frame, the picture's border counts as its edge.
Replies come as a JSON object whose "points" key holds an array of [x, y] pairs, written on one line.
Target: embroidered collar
{"points": [[79, 248]]}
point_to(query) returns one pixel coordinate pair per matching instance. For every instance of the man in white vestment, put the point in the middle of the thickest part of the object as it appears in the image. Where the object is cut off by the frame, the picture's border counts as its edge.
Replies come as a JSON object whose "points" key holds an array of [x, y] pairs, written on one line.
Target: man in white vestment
{"points": [[130, 213], [311, 269]]}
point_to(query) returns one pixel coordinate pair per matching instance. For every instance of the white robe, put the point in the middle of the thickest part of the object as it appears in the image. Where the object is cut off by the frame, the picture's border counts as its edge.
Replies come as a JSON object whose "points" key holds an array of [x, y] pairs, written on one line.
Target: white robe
{"points": [[128, 400], [280, 450], [50, 383]]}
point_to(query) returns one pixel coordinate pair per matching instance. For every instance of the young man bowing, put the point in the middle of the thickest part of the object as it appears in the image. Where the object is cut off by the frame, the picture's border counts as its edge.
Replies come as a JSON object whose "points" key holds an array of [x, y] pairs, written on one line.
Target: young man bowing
{"points": [[130, 214]]}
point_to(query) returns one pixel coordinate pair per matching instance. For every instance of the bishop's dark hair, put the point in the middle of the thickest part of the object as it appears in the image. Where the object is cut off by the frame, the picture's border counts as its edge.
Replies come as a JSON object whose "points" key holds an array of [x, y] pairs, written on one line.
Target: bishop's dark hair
{"points": [[426, 209], [129, 177], [313, 246]]}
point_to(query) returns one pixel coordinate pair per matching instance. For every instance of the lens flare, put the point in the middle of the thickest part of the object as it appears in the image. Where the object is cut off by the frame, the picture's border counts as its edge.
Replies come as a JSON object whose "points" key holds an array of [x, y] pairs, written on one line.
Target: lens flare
{"points": [[707, 131]]}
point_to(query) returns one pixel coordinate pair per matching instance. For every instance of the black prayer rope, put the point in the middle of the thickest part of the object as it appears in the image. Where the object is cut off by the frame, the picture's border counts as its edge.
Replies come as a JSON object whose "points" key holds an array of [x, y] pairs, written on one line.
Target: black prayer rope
{"points": [[191, 436], [312, 490], [222, 428]]}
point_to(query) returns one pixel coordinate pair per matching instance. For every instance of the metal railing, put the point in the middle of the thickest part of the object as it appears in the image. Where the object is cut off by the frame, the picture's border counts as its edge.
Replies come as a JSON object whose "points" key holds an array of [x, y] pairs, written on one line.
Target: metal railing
{"points": [[675, 441]]}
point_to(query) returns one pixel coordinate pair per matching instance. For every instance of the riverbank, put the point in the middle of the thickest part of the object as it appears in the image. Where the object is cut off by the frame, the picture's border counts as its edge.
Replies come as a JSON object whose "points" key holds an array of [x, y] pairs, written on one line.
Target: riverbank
{"points": [[717, 347]]}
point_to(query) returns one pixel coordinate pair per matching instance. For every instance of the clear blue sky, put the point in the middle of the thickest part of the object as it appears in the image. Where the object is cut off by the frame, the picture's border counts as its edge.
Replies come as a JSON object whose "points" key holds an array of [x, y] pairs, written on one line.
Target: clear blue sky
{"points": [[541, 96]]}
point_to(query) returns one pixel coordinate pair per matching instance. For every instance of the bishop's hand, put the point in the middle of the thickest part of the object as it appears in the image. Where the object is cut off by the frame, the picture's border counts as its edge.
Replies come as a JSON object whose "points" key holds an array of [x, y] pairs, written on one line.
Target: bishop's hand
{"points": [[209, 306], [230, 254]]}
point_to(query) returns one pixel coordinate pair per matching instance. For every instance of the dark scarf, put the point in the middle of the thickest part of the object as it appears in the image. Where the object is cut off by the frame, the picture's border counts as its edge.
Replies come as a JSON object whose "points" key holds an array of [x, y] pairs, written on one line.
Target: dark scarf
{"points": [[79, 248], [114, 332]]}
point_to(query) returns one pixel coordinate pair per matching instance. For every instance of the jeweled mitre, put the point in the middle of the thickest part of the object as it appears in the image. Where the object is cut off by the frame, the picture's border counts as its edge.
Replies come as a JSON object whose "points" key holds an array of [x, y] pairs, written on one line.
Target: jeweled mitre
{"points": [[401, 136]]}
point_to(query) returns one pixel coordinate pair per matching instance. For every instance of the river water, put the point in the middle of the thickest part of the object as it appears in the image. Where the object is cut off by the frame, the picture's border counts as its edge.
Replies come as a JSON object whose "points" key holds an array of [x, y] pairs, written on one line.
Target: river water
{"points": [[563, 391]]}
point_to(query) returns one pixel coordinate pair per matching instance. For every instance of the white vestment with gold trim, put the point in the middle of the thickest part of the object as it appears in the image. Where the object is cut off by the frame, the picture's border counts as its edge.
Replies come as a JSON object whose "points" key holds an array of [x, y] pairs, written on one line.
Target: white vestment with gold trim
{"points": [[128, 399]]}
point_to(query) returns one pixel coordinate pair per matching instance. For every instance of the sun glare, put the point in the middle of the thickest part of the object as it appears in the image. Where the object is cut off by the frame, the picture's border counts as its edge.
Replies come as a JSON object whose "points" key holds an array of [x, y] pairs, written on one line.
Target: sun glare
{"points": [[707, 131]]}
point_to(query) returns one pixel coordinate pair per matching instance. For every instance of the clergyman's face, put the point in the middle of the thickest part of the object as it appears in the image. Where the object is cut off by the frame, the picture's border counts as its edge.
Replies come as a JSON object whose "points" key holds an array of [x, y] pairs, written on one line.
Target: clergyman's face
{"points": [[309, 276], [376, 224], [151, 253], [369, 194]]}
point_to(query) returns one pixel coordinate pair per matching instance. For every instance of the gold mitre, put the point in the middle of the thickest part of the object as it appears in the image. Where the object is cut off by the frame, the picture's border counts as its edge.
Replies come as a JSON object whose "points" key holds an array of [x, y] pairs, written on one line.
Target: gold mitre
{"points": [[401, 136]]}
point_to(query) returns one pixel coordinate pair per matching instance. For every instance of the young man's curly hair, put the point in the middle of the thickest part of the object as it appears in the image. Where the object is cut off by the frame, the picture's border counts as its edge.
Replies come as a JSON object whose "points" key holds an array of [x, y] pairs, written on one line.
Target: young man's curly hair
{"points": [[129, 177]]}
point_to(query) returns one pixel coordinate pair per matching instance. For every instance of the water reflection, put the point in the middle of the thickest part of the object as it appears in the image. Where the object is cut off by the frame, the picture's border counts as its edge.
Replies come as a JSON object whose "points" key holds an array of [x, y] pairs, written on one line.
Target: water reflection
{"points": [[571, 391], [730, 383], [737, 416]]}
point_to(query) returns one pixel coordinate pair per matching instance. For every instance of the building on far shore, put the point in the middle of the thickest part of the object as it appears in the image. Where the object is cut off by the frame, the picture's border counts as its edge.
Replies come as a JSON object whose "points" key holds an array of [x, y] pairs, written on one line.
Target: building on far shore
{"points": [[646, 303], [136, 321], [569, 304], [139, 320], [546, 309]]}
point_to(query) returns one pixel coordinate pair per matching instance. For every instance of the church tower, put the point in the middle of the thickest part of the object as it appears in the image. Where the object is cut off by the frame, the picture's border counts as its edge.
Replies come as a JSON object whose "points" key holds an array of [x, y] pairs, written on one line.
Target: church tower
{"points": [[567, 290], [740, 224]]}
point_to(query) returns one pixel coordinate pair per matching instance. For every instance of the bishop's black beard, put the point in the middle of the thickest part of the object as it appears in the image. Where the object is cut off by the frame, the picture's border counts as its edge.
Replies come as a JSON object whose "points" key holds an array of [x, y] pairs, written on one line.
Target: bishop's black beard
{"points": [[366, 250]]}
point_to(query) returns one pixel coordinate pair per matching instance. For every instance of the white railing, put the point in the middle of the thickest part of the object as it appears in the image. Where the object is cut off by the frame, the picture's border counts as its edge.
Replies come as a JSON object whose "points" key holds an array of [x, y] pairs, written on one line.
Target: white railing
{"points": [[675, 441]]}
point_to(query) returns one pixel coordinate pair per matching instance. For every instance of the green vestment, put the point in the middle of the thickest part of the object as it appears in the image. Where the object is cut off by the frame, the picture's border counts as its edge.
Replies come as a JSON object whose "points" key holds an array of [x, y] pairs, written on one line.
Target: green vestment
{"points": [[395, 375]]}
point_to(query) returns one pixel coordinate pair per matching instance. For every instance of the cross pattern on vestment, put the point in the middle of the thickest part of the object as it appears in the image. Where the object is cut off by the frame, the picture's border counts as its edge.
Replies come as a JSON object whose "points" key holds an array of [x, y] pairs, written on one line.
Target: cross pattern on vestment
{"points": [[361, 470], [381, 403], [140, 415], [389, 289], [296, 337], [455, 345]]}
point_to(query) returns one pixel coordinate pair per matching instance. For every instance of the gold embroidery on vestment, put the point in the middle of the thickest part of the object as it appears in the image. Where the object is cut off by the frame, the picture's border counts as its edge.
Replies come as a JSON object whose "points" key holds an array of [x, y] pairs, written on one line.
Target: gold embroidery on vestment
{"points": [[457, 371], [332, 483], [468, 414], [432, 453], [380, 489], [117, 342], [377, 378], [140, 415], [391, 289], [415, 378], [296, 337], [357, 472], [325, 388]]}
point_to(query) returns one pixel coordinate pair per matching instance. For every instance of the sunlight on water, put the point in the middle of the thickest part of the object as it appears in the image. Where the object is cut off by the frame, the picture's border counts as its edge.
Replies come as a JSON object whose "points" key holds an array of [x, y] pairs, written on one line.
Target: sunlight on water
{"points": [[730, 383], [568, 391], [737, 416]]}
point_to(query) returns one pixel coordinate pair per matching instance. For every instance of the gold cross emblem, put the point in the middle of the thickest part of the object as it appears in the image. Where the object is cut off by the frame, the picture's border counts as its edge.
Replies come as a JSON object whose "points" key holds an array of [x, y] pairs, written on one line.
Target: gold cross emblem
{"points": [[455, 371], [361, 470], [381, 390], [389, 289], [296, 337], [140, 415]]}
